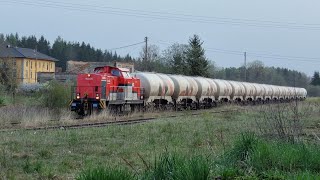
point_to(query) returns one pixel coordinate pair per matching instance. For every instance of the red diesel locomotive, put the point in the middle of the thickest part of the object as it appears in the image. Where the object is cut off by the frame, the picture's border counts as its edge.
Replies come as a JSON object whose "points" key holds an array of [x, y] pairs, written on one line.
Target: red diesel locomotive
{"points": [[107, 87]]}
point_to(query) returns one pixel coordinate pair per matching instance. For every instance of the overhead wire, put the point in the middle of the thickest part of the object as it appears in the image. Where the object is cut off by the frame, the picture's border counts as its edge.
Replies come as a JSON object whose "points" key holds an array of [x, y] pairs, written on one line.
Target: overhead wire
{"points": [[121, 47], [257, 55], [165, 15]]}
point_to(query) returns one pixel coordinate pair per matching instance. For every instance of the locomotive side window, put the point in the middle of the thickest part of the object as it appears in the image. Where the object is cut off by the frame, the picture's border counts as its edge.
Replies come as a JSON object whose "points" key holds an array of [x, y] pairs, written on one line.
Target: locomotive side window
{"points": [[116, 72]]}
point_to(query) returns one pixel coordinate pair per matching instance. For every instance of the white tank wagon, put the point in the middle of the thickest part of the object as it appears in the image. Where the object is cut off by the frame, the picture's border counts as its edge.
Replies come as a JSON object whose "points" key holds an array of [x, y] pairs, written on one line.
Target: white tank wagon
{"points": [[259, 92], [168, 87], [276, 92], [250, 91], [153, 85], [206, 92], [185, 90], [300, 93], [268, 92], [224, 90], [287, 93], [238, 91], [282, 92]]}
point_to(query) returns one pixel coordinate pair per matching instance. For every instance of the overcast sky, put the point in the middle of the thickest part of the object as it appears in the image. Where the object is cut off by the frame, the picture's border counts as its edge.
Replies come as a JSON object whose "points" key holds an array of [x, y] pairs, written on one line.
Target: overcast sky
{"points": [[282, 33]]}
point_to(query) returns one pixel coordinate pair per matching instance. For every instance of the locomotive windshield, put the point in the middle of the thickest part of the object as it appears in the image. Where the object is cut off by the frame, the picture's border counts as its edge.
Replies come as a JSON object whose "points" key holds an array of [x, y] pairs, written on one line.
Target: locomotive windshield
{"points": [[116, 72], [126, 74]]}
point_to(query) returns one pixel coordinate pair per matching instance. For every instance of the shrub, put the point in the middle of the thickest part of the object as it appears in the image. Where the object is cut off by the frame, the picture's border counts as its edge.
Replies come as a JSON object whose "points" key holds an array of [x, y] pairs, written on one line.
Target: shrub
{"points": [[105, 173], [56, 95]]}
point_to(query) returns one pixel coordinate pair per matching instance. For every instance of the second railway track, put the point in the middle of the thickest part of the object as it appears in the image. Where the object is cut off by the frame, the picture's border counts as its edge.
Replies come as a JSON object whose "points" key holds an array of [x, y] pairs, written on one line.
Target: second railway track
{"points": [[108, 123]]}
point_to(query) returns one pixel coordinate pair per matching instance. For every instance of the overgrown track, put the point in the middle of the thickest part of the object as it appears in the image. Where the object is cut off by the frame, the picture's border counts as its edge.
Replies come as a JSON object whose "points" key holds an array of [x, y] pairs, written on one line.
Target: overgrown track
{"points": [[108, 123]]}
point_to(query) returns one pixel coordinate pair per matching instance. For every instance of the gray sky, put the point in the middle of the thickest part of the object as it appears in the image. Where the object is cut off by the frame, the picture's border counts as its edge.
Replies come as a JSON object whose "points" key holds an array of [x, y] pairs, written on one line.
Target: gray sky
{"points": [[284, 33]]}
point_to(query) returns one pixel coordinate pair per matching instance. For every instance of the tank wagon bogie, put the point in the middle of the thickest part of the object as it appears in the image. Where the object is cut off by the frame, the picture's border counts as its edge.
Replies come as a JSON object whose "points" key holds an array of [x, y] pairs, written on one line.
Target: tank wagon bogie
{"points": [[115, 89]]}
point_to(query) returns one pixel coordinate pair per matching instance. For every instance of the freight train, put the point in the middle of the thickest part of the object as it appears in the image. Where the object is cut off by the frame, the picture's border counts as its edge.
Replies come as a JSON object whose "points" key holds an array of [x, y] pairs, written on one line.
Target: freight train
{"points": [[117, 90]]}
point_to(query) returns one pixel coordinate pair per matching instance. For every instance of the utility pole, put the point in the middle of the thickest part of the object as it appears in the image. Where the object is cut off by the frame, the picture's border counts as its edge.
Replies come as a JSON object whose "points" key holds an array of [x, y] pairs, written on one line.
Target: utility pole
{"points": [[146, 53], [245, 66]]}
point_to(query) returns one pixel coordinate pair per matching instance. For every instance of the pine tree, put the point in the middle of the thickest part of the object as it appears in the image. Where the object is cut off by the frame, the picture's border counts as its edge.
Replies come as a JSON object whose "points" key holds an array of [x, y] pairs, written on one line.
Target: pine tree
{"points": [[197, 62], [315, 79]]}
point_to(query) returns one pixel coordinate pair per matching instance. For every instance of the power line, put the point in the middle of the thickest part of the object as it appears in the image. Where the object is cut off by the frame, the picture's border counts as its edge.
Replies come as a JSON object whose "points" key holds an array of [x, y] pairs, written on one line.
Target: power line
{"points": [[112, 49], [165, 15], [257, 55]]}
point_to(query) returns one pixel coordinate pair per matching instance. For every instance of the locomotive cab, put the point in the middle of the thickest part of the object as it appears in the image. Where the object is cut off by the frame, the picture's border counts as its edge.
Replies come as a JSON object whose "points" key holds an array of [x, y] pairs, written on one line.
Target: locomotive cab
{"points": [[106, 86]]}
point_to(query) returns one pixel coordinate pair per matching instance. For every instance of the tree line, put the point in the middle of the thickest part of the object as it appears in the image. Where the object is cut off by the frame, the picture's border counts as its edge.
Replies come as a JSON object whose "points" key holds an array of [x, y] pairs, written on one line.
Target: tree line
{"points": [[63, 50]]}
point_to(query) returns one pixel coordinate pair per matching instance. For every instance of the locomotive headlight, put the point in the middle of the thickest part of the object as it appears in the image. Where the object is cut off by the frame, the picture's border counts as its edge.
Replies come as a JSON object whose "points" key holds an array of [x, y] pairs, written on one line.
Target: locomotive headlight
{"points": [[89, 75], [97, 96], [141, 97], [78, 95]]}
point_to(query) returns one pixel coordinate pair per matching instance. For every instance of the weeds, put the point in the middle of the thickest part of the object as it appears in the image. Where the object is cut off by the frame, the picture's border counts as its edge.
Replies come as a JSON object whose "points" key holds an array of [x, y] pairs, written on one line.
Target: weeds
{"points": [[105, 173], [174, 166]]}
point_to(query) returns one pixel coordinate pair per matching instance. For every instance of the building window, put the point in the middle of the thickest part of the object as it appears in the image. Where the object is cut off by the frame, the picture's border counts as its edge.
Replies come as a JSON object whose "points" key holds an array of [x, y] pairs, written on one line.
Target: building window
{"points": [[31, 64], [26, 73], [47, 66], [30, 74], [27, 63]]}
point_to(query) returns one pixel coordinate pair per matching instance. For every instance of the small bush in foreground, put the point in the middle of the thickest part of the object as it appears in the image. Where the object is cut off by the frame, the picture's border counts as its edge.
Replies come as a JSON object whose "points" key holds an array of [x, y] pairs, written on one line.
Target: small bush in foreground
{"points": [[100, 173]]}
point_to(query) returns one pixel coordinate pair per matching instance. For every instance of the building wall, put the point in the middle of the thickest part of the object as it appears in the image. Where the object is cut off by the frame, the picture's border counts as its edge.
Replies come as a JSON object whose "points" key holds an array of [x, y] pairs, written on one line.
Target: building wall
{"points": [[30, 68]]}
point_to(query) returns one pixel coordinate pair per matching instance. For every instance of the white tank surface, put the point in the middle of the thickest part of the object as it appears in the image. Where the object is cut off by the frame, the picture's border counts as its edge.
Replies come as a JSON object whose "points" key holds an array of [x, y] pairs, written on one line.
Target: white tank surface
{"points": [[268, 91], [250, 90], [282, 92], [276, 92], [213, 87], [224, 89], [184, 87], [168, 84], [287, 92], [204, 88], [260, 91], [153, 85], [193, 86], [238, 90]]}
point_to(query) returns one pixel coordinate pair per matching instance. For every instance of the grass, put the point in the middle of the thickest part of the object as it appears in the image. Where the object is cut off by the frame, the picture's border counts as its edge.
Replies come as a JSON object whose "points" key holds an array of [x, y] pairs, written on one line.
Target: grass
{"points": [[187, 145]]}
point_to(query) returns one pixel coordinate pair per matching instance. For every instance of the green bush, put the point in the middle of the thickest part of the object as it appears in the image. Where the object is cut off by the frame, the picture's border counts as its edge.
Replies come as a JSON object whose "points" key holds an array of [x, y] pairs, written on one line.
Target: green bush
{"points": [[56, 95], [100, 173]]}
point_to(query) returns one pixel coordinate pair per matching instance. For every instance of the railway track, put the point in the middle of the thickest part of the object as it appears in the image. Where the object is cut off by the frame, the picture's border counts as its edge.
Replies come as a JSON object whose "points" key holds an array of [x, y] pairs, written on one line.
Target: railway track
{"points": [[108, 123]]}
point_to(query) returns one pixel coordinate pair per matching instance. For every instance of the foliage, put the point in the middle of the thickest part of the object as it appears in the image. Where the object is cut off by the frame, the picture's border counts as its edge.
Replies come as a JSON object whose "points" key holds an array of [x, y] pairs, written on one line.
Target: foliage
{"points": [[313, 91], [8, 74], [56, 95], [197, 63], [315, 79], [100, 173], [176, 58], [257, 72]]}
